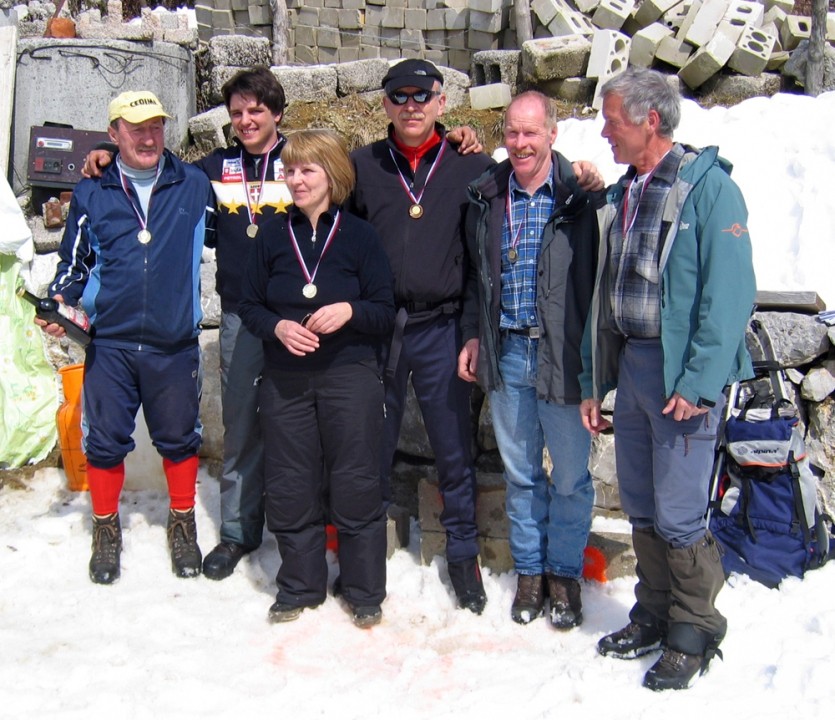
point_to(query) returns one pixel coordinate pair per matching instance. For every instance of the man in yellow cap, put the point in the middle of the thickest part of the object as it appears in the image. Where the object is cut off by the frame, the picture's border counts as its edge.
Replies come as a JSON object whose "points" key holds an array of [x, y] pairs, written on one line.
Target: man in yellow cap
{"points": [[130, 257]]}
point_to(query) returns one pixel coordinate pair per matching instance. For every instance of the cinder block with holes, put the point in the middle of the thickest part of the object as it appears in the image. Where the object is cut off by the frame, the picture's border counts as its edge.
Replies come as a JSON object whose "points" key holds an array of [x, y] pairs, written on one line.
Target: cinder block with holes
{"points": [[609, 54], [752, 52], [645, 44], [612, 14], [707, 61], [794, 29]]}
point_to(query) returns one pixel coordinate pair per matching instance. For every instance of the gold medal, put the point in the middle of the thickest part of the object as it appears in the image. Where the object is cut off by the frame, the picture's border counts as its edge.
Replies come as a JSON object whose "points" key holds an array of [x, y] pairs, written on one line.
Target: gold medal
{"points": [[144, 236], [415, 211], [512, 255], [252, 230], [309, 291]]}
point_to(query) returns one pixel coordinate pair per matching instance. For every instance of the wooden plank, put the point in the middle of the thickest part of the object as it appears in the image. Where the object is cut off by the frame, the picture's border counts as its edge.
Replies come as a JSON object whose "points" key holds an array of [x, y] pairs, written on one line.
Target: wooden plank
{"points": [[8, 62], [801, 301]]}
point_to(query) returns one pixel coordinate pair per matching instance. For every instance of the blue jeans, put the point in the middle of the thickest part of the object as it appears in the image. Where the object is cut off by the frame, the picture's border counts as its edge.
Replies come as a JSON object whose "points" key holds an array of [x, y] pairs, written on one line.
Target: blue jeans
{"points": [[549, 522]]}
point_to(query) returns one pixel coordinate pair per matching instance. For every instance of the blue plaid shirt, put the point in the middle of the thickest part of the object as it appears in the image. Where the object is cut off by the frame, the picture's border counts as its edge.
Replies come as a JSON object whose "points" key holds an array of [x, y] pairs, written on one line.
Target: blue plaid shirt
{"points": [[529, 213]]}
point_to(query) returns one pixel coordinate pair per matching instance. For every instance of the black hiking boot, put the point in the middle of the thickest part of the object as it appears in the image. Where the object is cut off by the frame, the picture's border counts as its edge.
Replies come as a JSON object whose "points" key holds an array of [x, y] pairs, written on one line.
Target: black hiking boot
{"points": [[466, 581], [282, 612], [633, 641], [220, 563], [530, 599], [107, 546], [566, 606], [674, 670], [186, 558], [366, 616]]}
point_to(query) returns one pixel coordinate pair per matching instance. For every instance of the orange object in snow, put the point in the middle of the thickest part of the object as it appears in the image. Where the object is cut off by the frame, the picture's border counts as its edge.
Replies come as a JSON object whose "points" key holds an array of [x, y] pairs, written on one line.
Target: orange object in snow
{"points": [[594, 564], [69, 427]]}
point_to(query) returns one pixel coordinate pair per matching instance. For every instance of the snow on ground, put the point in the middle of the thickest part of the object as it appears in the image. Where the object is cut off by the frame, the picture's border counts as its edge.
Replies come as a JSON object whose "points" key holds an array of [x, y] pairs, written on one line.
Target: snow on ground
{"points": [[154, 645]]}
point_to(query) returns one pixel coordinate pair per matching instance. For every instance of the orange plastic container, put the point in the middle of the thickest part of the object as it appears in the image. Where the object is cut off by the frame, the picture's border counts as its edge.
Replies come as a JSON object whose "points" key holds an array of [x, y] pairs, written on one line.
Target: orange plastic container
{"points": [[69, 427]]}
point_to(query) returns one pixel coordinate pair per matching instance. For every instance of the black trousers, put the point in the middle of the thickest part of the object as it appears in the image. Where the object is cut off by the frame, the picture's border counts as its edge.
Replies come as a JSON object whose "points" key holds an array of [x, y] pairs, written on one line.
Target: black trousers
{"points": [[322, 433]]}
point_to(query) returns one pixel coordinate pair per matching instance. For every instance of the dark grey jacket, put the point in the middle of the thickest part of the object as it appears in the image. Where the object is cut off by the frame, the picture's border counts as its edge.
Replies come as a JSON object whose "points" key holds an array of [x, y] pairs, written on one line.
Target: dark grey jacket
{"points": [[566, 272]]}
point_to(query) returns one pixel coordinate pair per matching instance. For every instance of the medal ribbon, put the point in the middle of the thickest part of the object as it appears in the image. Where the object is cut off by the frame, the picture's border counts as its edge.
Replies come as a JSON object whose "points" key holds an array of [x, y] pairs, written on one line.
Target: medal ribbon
{"points": [[264, 164], [628, 221], [143, 222], [307, 275], [416, 199], [514, 239]]}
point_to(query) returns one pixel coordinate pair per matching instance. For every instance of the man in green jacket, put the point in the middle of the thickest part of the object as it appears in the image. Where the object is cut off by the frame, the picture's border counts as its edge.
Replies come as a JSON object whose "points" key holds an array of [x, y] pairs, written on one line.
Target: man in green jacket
{"points": [[674, 291]]}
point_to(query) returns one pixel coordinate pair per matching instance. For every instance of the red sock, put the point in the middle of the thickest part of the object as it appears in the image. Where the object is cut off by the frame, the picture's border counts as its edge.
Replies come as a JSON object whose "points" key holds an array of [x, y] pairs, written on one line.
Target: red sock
{"points": [[105, 487], [182, 481]]}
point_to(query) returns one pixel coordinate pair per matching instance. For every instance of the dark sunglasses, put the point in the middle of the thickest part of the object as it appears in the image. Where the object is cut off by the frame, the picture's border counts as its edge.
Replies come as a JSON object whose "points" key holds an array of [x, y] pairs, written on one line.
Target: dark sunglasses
{"points": [[421, 97]]}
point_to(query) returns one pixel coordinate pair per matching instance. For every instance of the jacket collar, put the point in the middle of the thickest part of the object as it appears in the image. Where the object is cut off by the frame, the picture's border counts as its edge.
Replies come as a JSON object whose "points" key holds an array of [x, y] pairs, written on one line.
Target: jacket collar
{"points": [[172, 172]]}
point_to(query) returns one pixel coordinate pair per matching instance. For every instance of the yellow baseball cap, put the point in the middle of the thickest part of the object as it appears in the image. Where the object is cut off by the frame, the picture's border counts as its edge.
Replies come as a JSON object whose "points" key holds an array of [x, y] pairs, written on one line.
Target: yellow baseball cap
{"points": [[136, 106]]}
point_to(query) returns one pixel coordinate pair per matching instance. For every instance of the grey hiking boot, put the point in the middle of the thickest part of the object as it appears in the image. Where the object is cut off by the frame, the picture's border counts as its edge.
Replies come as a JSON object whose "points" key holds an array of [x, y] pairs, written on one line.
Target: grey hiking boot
{"points": [[674, 670], [107, 546], [186, 558]]}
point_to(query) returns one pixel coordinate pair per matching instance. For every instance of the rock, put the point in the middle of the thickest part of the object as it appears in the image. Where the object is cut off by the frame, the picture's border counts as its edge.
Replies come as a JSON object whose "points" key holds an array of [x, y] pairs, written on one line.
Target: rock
{"points": [[797, 339], [240, 51], [819, 382]]}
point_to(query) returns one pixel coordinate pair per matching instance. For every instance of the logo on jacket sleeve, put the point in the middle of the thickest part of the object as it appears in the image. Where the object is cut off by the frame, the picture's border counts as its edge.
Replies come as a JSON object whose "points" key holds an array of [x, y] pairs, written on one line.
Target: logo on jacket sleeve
{"points": [[736, 230]]}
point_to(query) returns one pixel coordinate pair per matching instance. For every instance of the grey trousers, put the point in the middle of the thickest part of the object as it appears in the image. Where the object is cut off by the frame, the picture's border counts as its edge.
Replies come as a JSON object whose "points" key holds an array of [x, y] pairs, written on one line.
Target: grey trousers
{"points": [[664, 471], [242, 481]]}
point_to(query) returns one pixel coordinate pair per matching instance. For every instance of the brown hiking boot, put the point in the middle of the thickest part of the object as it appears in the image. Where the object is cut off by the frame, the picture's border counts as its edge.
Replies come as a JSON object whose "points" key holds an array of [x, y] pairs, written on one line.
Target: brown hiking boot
{"points": [[186, 558], [529, 600], [566, 605], [107, 546]]}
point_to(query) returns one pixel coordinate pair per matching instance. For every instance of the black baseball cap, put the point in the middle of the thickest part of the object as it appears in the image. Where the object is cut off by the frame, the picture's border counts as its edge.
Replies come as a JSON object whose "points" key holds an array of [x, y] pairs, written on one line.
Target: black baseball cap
{"points": [[412, 73]]}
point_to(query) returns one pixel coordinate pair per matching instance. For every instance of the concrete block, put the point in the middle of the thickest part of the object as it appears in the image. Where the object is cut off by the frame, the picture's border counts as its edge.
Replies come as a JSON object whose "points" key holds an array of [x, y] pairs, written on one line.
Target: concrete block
{"points": [[576, 89], [439, 57], [701, 22], [486, 6], [457, 40], [477, 40], [777, 61], [390, 53], [750, 57], [328, 17], [830, 27], [558, 57], [414, 19], [392, 17], [305, 35], [328, 38], [260, 15], [631, 25], [436, 19], [209, 129], [456, 19], [546, 9], [492, 66], [744, 13], [651, 10], [369, 52], [328, 55], [348, 54], [706, 61], [460, 59], [612, 14], [397, 529], [350, 39], [609, 54], [487, 22], [435, 39], [787, 6], [306, 55], [495, 95], [676, 15], [645, 44], [777, 16], [673, 51], [390, 37], [360, 76], [308, 16], [570, 22], [732, 32], [308, 84], [349, 19], [795, 28], [412, 40], [586, 7]]}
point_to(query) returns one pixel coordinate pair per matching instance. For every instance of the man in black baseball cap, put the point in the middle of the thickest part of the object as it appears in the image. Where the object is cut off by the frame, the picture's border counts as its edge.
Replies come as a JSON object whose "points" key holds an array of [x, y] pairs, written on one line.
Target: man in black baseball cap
{"points": [[412, 73]]}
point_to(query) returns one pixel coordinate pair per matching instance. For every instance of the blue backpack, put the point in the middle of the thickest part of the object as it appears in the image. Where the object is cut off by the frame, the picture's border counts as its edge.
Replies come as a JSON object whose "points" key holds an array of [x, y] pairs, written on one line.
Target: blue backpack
{"points": [[766, 514]]}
